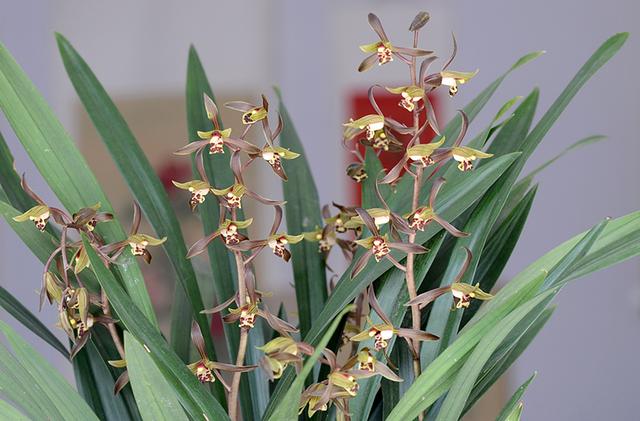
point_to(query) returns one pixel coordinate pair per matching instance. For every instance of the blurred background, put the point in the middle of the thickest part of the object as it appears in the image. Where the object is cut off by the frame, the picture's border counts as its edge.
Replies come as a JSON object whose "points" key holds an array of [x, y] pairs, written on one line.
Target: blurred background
{"points": [[586, 357]]}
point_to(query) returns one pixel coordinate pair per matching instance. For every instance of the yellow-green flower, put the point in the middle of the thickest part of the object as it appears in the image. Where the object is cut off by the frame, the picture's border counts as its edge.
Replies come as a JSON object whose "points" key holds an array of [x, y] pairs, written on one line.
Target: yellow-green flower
{"points": [[277, 242], [232, 195], [39, 214], [198, 189], [421, 154], [274, 156], [463, 294], [466, 155], [216, 139], [453, 79], [140, 242], [411, 95]]}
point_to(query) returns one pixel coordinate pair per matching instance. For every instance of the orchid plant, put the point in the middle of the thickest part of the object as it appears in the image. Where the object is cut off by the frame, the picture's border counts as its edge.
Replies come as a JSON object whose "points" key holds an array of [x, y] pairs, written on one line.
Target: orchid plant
{"points": [[423, 253]]}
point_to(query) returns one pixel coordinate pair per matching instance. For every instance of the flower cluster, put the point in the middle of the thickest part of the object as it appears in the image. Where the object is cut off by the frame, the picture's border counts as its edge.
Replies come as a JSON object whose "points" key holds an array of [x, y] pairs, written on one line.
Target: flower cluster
{"points": [[79, 309]]}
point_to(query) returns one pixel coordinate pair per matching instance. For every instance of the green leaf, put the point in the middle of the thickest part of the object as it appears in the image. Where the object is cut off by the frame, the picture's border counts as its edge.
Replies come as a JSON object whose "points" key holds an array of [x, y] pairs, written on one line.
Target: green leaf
{"points": [[193, 397], [61, 164], [145, 186], [453, 199], [287, 409], [443, 322], [155, 397], [30, 321], [520, 188], [45, 386], [498, 249], [438, 376], [10, 180], [95, 381], [8, 412], [513, 408], [372, 166], [494, 370], [454, 403], [303, 215]]}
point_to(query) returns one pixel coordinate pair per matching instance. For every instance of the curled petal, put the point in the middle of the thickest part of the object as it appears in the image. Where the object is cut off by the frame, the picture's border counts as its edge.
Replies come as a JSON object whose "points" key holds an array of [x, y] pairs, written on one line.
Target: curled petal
{"points": [[453, 53], [465, 265], [242, 106], [368, 221], [409, 248], [198, 340], [435, 188], [418, 335], [450, 228], [211, 108], [121, 382], [375, 305], [426, 298], [361, 263]]}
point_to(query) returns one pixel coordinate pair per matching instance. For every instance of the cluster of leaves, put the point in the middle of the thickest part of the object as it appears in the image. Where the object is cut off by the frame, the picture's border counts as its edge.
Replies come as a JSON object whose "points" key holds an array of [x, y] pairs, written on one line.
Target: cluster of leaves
{"points": [[402, 245]]}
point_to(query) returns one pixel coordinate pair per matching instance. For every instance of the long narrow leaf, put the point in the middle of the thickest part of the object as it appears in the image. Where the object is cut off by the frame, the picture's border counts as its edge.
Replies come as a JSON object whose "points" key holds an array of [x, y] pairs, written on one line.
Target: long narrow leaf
{"points": [[54, 388], [156, 399], [29, 320], [514, 403], [145, 186], [195, 400], [61, 164]]}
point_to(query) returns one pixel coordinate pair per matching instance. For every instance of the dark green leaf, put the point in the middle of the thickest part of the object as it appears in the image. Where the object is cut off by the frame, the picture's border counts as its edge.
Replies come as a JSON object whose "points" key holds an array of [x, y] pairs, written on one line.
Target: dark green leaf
{"points": [[29, 320], [145, 186], [514, 404], [193, 397], [61, 164]]}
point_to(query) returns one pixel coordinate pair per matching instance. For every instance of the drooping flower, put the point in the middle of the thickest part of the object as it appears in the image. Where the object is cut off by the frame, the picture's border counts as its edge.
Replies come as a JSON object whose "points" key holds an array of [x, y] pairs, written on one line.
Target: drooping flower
{"points": [[228, 231], [198, 189], [376, 129], [383, 332], [251, 113], [231, 197], [453, 79], [357, 172], [39, 214], [250, 307], [274, 155], [86, 219], [206, 370], [136, 242], [379, 247], [466, 155], [462, 292], [422, 216], [383, 51], [280, 352], [365, 361], [411, 95]]}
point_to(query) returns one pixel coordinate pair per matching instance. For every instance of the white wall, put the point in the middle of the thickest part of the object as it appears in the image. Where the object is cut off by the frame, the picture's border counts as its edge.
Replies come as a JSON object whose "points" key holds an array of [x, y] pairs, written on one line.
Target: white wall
{"points": [[586, 357]]}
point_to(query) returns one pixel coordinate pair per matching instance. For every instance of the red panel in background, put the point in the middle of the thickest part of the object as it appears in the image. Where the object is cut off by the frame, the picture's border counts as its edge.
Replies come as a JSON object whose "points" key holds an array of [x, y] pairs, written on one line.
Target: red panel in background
{"points": [[359, 106]]}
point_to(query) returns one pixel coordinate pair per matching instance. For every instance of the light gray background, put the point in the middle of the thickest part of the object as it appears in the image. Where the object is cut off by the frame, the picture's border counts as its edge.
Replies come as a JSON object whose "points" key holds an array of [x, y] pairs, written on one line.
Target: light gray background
{"points": [[587, 355]]}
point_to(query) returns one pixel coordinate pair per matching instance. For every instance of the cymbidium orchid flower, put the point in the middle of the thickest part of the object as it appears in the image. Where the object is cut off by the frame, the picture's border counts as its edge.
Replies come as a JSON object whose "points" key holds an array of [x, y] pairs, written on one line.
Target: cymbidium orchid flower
{"points": [[376, 129], [198, 189], [357, 172], [379, 247], [274, 155], [381, 333], [206, 370], [462, 292], [327, 239], [39, 214], [215, 139], [383, 51], [280, 352], [228, 231], [422, 216], [250, 307], [382, 216], [86, 219], [466, 155], [137, 243], [251, 113], [364, 360], [445, 77], [411, 95]]}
